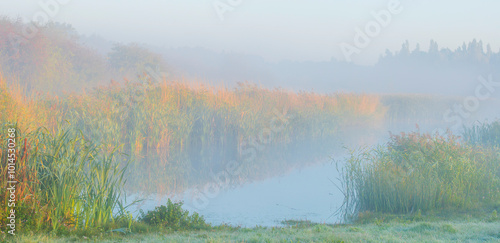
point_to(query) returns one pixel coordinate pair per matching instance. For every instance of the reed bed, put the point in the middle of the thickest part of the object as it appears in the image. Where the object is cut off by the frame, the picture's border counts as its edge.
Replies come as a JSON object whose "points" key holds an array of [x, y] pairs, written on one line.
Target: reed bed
{"points": [[421, 172], [410, 109], [177, 134], [483, 134], [64, 181]]}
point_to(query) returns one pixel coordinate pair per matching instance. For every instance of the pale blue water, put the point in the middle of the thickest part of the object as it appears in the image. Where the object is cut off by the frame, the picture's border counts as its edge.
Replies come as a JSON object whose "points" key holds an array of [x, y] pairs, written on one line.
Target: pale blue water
{"points": [[302, 194]]}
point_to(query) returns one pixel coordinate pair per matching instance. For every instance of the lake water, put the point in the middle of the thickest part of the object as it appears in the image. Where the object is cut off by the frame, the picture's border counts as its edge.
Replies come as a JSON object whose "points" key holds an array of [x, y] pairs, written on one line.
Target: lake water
{"points": [[302, 194]]}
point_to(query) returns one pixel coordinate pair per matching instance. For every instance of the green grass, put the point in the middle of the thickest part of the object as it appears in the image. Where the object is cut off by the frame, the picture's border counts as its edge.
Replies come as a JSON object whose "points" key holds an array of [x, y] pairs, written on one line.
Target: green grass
{"points": [[473, 230], [478, 225]]}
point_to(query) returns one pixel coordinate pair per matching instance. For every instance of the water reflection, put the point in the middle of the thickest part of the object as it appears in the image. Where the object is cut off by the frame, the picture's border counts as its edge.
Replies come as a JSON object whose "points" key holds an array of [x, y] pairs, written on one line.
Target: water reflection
{"points": [[303, 194]]}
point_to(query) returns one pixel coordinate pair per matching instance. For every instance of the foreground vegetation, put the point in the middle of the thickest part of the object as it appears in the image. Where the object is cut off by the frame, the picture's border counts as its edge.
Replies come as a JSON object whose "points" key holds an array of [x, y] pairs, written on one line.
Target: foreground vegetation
{"points": [[64, 182], [375, 229]]}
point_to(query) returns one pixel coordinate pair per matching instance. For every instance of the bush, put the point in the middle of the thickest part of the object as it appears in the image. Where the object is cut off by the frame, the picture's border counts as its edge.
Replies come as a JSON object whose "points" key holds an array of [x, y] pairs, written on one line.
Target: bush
{"points": [[174, 217]]}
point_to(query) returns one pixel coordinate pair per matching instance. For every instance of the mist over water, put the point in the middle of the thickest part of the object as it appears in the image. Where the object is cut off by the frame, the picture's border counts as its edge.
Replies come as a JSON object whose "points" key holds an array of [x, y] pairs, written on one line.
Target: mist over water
{"points": [[307, 192], [302, 194], [310, 192]]}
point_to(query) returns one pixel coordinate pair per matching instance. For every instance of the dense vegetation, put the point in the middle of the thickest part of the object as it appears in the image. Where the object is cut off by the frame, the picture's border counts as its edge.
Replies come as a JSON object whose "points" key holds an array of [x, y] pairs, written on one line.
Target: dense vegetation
{"points": [[176, 132], [484, 134], [423, 172], [63, 181]]}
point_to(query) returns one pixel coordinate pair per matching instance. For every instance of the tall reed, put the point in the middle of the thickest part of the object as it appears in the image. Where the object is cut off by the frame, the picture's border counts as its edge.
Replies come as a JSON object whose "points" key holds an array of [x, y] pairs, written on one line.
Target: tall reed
{"points": [[485, 134], [179, 133], [421, 172], [65, 181]]}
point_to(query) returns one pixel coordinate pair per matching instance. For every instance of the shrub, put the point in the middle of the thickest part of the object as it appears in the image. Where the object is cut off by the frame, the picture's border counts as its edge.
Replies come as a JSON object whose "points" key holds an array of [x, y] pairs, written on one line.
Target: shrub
{"points": [[174, 217]]}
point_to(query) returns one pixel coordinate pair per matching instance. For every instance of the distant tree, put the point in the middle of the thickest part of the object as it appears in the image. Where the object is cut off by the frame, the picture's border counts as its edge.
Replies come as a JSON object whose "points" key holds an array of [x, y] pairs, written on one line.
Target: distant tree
{"points": [[433, 48], [471, 53], [488, 50], [405, 49], [133, 59], [417, 48], [51, 59]]}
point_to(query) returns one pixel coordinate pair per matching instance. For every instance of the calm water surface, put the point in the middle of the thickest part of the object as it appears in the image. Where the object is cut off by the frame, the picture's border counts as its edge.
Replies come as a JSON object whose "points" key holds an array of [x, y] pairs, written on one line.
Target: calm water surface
{"points": [[303, 194]]}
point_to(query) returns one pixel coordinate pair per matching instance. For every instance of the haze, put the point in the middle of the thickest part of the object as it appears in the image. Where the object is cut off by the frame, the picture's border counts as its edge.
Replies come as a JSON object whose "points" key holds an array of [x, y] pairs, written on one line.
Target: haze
{"points": [[276, 30], [244, 109]]}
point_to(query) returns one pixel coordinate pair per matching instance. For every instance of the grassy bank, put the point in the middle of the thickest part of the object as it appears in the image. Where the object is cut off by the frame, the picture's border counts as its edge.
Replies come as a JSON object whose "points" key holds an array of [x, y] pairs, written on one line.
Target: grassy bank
{"points": [[396, 230]]}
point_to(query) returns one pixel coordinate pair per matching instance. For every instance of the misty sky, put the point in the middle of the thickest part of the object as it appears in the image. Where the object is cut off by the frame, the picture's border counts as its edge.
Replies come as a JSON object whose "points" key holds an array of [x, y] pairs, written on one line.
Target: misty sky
{"points": [[279, 29]]}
